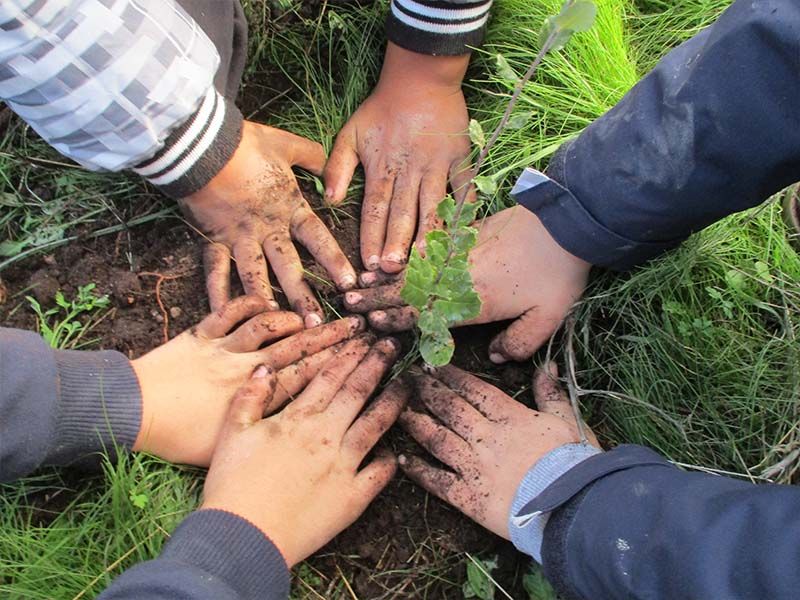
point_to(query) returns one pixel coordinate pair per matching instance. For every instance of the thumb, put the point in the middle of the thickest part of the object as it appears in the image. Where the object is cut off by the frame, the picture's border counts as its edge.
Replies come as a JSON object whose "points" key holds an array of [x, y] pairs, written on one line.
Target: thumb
{"points": [[340, 168], [523, 337], [305, 153], [247, 405]]}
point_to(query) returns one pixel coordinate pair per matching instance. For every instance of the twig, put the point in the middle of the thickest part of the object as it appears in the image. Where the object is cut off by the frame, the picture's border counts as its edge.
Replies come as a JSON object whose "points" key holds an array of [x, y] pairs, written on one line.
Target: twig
{"points": [[572, 385]]}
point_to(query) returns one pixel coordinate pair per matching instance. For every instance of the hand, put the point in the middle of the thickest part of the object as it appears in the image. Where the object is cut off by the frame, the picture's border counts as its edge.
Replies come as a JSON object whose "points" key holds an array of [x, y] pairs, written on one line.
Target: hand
{"points": [[411, 137], [253, 208], [519, 272], [488, 439], [186, 383], [296, 475]]}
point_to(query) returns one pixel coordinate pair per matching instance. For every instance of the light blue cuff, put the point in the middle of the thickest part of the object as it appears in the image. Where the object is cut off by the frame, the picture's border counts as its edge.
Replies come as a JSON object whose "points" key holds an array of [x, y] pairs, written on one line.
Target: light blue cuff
{"points": [[530, 178], [527, 531]]}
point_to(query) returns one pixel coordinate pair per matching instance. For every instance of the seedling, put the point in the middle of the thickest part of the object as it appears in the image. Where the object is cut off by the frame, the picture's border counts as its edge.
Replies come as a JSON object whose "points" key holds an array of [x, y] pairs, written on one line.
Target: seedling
{"points": [[59, 325], [439, 285]]}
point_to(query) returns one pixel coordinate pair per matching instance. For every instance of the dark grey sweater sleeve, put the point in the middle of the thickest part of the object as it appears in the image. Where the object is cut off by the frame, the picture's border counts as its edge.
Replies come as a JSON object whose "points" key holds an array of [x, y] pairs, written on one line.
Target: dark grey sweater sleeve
{"points": [[713, 129], [59, 406]]}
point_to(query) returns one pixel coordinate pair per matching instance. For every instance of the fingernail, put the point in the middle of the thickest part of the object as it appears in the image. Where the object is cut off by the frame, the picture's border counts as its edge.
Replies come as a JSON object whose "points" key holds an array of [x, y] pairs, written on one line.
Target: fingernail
{"points": [[497, 358], [312, 320], [261, 372], [373, 262], [368, 278], [353, 297], [328, 194], [356, 322], [395, 257], [347, 281], [402, 459], [377, 316], [272, 305], [429, 369]]}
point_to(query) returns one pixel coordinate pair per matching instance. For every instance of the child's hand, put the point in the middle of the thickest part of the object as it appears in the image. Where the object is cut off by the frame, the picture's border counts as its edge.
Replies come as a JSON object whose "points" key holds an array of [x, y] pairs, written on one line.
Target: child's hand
{"points": [[296, 475], [187, 383], [488, 439], [254, 208]]}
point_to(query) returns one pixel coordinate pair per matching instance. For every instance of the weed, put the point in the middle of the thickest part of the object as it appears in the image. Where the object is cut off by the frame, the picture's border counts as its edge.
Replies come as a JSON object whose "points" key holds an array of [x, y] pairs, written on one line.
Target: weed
{"points": [[59, 326]]}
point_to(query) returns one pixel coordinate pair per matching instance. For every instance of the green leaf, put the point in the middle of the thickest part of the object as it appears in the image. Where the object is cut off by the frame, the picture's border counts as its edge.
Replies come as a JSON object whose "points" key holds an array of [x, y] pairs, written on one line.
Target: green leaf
{"points": [[519, 120], [10, 200], [574, 17], [138, 500], [537, 587], [420, 275], [319, 186], [478, 585], [504, 69], [12, 247], [446, 210], [486, 184], [476, 134], [762, 272], [436, 344]]}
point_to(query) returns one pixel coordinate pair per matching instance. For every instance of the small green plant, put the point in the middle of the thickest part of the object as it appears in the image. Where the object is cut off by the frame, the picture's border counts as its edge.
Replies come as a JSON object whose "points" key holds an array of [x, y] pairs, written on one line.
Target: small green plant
{"points": [[59, 325], [536, 585], [479, 583], [439, 285]]}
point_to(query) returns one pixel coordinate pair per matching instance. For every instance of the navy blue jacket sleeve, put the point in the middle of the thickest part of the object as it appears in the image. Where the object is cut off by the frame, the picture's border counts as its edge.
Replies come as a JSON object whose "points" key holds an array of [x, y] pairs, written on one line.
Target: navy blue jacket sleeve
{"points": [[628, 524], [713, 129], [212, 555]]}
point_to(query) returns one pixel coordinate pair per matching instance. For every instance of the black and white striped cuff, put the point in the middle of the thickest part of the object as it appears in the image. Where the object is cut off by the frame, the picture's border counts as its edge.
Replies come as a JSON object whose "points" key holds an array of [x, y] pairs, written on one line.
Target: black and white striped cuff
{"points": [[197, 150], [437, 27]]}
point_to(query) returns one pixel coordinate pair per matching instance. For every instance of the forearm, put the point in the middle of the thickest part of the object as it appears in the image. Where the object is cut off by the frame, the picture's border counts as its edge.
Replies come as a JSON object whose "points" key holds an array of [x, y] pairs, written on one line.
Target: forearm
{"points": [[627, 524], [713, 129], [212, 555], [59, 406], [122, 85], [437, 28]]}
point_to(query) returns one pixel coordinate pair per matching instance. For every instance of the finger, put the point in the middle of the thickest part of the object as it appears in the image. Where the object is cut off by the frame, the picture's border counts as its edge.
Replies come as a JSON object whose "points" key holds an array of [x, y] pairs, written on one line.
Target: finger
{"points": [[217, 263], [324, 387], [443, 484], [225, 318], [305, 154], [437, 439], [288, 269], [252, 268], [374, 216], [310, 231], [247, 405], [432, 191], [402, 223], [375, 476], [293, 379], [451, 409], [376, 420], [374, 278], [261, 329], [548, 394], [358, 387], [393, 320], [377, 298], [461, 182], [340, 168], [285, 352], [524, 336], [490, 401]]}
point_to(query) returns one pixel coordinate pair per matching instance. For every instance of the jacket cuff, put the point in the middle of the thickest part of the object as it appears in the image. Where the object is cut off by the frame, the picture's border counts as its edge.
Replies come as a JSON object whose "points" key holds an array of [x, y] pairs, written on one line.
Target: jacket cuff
{"points": [[197, 150], [230, 548], [437, 27], [527, 528], [574, 227], [99, 408]]}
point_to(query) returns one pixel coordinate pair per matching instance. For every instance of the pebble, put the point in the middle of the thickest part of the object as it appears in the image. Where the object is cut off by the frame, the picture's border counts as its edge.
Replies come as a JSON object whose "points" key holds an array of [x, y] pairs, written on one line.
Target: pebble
{"points": [[175, 312]]}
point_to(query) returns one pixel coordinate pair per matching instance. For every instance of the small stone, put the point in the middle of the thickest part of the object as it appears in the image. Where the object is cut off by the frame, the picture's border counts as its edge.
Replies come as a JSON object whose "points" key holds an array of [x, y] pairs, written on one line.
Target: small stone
{"points": [[175, 312]]}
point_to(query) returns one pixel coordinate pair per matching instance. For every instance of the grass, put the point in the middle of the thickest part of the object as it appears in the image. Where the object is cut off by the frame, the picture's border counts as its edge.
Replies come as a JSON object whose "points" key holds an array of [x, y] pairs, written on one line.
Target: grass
{"points": [[699, 346]]}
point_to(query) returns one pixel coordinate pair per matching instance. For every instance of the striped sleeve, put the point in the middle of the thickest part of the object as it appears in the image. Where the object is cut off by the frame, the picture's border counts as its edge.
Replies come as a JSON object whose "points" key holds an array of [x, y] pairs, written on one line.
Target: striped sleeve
{"points": [[438, 27], [119, 84]]}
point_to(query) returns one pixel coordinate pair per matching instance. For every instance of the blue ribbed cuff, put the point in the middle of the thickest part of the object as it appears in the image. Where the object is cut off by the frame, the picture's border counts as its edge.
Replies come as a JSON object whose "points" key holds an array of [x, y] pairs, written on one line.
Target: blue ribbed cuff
{"points": [[527, 530]]}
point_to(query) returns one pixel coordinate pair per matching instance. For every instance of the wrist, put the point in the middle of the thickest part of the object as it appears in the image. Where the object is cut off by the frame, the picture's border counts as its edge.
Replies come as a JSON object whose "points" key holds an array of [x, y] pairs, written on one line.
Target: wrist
{"points": [[404, 70]]}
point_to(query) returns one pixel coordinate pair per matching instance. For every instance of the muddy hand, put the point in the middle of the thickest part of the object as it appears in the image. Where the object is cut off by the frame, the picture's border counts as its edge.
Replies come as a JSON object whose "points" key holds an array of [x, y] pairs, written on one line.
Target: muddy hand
{"points": [[487, 439], [519, 272], [254, 209], [186, 384], [296, 475], [410, 136]]}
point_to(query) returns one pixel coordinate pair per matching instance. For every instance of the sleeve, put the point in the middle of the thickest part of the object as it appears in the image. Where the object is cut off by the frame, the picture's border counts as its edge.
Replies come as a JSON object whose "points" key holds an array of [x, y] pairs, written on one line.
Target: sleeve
{"points": [[712, 130], [438, 27], [628, 524], [119, 84], [60, 406], [212, 555]]}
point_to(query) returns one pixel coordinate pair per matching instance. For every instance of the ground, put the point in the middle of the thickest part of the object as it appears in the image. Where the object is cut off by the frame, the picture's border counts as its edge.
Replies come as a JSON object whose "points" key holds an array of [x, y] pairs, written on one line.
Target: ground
{"points": [[695, 354]]}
